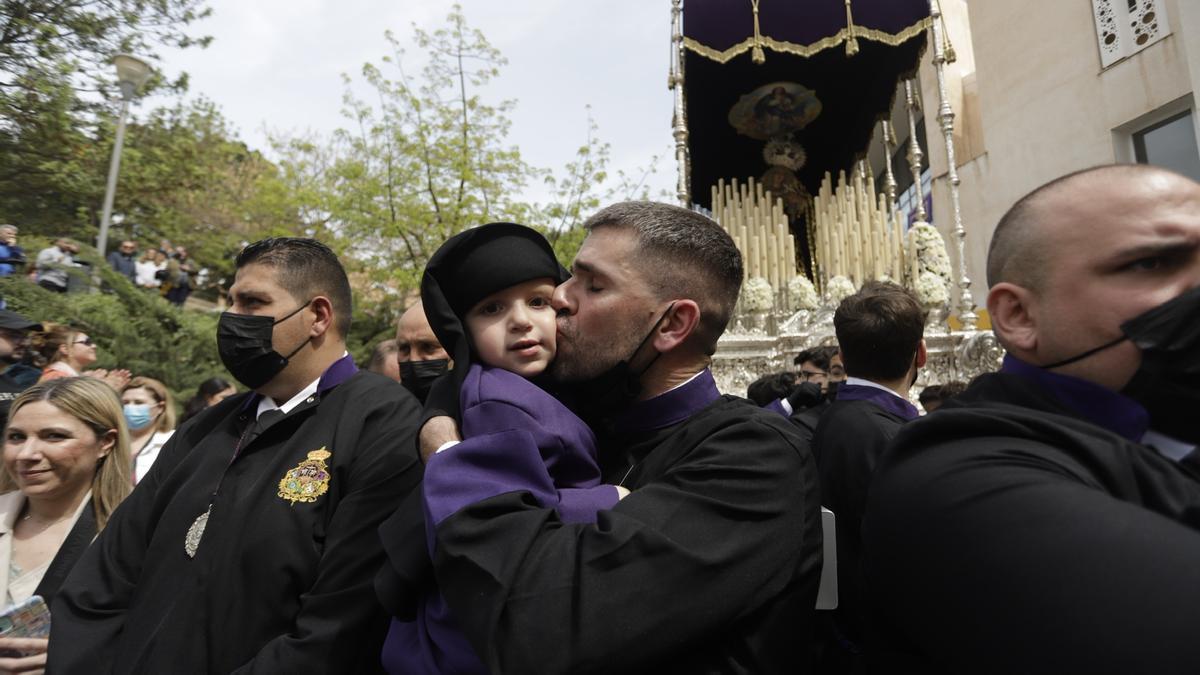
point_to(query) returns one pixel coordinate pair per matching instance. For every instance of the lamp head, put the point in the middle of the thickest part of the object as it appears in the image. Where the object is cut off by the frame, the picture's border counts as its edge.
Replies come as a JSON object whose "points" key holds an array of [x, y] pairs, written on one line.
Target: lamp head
{"points": [[132, 73]]}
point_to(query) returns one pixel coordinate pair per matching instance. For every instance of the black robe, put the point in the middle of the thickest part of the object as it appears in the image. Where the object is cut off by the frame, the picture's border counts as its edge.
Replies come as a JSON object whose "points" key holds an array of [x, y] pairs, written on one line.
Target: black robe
{"points": [[1006, 534], [275, 587], [711, 565], [72, 549], [848, 442]]}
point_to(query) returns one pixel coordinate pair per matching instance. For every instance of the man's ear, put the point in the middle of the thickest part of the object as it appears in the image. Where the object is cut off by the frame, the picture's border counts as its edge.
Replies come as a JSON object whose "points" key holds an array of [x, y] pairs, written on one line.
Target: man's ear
{"points": [[922, 354], [322, 309], [674, 330], [1013, 319]]}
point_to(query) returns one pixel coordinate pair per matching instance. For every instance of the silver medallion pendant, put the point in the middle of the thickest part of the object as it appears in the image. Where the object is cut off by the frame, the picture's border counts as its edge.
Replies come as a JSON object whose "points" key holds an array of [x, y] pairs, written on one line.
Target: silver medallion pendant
{"points": [[192, 541]]}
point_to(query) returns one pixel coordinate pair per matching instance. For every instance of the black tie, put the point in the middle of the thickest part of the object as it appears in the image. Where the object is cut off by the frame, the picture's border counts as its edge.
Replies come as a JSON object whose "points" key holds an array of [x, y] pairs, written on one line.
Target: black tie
{"points": [[266, 421]]}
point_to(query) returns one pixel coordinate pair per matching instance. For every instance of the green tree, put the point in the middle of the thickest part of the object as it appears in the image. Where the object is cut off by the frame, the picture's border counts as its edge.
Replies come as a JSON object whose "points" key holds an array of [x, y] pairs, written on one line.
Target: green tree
{"points": [[57, 88], [186, 177], [423, 159]]}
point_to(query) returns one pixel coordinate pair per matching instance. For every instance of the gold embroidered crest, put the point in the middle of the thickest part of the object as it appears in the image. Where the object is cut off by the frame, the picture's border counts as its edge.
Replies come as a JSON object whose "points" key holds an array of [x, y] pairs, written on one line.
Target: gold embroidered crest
{"points": [[309, 480]]}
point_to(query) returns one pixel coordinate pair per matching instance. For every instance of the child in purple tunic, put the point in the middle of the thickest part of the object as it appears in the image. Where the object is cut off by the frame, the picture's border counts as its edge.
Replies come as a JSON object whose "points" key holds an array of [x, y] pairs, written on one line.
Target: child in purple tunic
{"points": [[487, 296]]}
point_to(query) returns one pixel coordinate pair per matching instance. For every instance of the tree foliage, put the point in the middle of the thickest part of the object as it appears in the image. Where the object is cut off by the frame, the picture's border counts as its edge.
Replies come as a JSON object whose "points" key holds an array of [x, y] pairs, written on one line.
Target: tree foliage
{"points": [[426, 155], [57, 95], [422, 160]]}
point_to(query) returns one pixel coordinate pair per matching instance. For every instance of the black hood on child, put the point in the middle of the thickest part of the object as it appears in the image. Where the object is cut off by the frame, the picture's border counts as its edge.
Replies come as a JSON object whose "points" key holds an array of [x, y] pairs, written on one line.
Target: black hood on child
{"points": [[474, 264]]}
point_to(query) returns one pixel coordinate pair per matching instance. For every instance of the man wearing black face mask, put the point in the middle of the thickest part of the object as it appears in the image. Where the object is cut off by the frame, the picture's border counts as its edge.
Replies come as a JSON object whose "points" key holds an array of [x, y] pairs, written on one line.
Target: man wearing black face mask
{"points": [[1043, 521], [251, 545], [422, 359], [711, 563]]}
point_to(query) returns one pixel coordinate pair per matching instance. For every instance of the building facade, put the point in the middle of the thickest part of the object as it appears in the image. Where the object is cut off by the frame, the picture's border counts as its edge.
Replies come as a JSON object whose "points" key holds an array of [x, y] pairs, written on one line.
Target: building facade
{"points": [[1040, 89]]}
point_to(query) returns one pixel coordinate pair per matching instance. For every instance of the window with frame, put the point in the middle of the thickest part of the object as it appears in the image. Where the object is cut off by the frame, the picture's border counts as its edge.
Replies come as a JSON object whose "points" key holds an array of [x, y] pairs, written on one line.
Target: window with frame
{"points": [[1171, 144]]}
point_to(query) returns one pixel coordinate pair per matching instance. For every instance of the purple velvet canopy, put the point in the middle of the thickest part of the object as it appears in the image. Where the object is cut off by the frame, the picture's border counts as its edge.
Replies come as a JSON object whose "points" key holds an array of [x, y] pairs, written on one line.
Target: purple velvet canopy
{"points": [[806, 84]]}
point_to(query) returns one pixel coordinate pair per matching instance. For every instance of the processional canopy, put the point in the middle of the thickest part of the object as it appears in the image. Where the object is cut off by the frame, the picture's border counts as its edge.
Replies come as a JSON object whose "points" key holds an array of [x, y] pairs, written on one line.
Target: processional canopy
{"points": [[787, 90]]}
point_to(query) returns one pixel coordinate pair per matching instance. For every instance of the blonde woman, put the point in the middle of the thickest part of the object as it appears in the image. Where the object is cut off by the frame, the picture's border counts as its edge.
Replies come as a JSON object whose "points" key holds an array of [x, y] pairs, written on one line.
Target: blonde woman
{"points": [[150, 415], [66, 468]]}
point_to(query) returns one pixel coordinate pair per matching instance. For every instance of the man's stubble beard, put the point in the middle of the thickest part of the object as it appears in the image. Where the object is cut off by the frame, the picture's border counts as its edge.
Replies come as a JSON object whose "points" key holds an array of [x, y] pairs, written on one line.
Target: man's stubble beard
{"points": [[589, 358]]}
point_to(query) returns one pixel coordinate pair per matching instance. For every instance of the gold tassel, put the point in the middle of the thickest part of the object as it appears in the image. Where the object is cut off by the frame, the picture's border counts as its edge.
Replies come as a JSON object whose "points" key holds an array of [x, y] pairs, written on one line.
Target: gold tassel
{"points": [[757, 53], [948, 49], [851, 38]]}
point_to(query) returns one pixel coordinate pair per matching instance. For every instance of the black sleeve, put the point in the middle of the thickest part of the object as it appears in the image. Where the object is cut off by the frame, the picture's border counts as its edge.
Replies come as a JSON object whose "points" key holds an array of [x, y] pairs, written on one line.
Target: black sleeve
{"points": [[1008, 563], [713, 539]]}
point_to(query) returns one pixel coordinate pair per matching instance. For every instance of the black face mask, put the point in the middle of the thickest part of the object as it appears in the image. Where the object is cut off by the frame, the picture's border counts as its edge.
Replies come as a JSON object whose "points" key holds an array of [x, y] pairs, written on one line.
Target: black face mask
{"points": [[244, 343], [616, 388], [418, 376], [1167, 384]]}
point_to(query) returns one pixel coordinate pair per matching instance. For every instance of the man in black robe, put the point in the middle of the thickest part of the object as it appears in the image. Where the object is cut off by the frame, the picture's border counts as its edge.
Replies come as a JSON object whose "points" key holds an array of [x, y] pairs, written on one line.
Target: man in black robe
{"points": [[879, 329], [251, 545], [1046, 520], [712, 563]]}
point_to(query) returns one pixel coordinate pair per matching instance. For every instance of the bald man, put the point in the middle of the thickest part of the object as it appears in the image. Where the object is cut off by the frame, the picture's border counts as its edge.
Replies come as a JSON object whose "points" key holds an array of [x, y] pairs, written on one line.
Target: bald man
{"points": [[1048, 519], [418, 352]]}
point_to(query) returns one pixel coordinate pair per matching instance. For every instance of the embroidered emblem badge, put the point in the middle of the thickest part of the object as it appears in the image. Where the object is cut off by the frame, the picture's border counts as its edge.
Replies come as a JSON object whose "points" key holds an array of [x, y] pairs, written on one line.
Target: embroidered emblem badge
{"points": [[309, 480]]}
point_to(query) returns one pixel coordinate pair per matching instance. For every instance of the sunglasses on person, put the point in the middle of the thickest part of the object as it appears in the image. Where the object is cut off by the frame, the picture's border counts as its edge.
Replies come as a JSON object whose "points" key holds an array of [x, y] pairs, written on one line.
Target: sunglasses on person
{"points": [[85, 341]]}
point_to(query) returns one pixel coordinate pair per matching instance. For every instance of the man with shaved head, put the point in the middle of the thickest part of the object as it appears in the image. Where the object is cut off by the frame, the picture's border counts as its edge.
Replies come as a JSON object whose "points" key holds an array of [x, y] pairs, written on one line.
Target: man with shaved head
{"points": [[1047, 520], [420, 356]]}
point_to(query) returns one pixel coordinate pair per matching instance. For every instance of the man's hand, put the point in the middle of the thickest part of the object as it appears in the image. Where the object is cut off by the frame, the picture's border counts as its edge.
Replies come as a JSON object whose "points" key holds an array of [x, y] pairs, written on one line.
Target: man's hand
{"points": [[34, 650], [437, 432]]}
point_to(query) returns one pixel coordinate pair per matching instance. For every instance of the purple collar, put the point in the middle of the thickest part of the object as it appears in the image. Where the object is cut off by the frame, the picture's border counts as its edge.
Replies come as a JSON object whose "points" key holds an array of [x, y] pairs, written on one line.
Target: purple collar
{"points": [[1102, 407], [338, 372], [671, 407], [884, 399]]}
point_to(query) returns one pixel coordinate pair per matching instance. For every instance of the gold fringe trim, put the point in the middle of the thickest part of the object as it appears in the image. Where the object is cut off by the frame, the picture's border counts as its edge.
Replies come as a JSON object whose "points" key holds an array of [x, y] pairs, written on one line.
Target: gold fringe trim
{"points": [[784, 47]]}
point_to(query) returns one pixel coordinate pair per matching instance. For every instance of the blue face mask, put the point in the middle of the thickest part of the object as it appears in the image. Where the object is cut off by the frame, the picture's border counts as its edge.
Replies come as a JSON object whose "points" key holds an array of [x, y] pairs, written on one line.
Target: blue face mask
{"points": [[137, 415]]}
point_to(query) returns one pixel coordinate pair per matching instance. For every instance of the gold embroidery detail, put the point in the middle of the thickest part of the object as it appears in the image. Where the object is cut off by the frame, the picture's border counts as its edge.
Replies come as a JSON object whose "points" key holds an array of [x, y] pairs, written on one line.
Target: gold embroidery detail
{"points": [[309, 480], [784, 47]]}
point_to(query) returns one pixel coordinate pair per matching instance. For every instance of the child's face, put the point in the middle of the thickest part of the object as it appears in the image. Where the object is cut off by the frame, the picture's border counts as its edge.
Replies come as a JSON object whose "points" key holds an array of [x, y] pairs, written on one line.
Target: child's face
{"points": [[514, 329]]}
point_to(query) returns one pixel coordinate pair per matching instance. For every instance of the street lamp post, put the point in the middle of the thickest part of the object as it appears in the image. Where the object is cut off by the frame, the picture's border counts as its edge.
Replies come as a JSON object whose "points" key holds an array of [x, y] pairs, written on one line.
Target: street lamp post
{"points": [[132, 73]]}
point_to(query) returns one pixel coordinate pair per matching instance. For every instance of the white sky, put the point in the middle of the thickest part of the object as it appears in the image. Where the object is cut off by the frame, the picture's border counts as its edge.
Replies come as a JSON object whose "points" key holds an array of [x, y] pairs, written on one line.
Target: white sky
{"points": [[275, 66]]}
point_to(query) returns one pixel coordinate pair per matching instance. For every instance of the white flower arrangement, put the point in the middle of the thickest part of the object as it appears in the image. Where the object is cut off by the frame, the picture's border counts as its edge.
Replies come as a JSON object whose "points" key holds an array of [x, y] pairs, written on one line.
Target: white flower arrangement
{"points": [[802, 294], [837, 289], [757, 295], [929, 247], [931, 290]]}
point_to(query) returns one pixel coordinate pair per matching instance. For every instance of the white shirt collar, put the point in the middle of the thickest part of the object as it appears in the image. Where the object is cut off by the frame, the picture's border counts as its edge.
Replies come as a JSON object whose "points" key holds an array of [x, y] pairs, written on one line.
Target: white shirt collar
{"points": [[867, 383], [267, 403], [698, 373]]}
